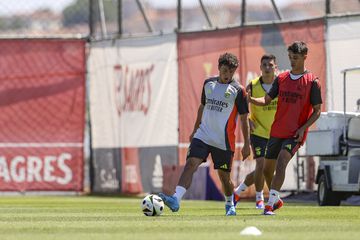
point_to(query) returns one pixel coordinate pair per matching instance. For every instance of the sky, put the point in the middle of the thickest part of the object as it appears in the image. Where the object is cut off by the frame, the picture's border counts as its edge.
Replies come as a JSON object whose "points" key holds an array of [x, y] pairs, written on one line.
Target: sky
{"points": [[8, 7], [187, 3]]}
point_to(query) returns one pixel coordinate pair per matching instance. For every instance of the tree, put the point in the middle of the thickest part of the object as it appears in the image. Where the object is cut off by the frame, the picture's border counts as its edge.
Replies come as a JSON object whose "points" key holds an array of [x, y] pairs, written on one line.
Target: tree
{"points": [[78, 12]]}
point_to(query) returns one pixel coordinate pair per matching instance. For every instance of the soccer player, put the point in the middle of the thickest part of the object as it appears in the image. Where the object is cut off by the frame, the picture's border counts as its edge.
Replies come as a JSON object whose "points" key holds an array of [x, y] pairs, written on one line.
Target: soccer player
{"points": [[222, 99], [299, 106], [260, 121]]}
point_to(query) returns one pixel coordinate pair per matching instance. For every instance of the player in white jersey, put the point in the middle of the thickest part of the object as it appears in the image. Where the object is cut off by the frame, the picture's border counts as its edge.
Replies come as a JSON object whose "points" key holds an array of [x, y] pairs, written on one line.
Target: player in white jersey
{"points": [[222, 99]]}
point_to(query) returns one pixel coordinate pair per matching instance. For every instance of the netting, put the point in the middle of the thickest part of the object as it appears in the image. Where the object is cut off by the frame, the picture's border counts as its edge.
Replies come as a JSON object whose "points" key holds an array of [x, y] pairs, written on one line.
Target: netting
{"points": [[42, 85], [64, 17], [42, 94]]}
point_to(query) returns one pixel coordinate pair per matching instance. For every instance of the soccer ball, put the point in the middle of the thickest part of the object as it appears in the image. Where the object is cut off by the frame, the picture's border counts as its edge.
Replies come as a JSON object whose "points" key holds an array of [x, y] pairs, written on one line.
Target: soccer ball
{"points": [[152, 205]]}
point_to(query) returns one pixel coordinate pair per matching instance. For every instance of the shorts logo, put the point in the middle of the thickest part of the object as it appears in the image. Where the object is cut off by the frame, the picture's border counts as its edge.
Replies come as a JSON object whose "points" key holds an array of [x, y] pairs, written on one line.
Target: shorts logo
{"points": [[288, 146], [188, 152], [258, 151], [224, 166]]}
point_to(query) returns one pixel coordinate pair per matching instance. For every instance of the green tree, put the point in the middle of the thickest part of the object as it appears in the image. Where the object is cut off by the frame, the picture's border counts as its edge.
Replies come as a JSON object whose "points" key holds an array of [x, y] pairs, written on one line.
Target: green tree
{"points": [[78, 12]]}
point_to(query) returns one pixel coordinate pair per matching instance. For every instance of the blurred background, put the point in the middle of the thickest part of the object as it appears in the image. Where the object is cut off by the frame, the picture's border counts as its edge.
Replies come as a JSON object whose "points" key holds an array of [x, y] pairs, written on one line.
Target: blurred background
{"points": [[100, 96], [46, 18]]}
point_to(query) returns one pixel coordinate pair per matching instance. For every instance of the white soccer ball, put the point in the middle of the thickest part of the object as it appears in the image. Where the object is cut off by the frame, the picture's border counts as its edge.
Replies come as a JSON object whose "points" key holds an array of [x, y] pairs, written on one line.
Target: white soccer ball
{"points": [[152, 205]]}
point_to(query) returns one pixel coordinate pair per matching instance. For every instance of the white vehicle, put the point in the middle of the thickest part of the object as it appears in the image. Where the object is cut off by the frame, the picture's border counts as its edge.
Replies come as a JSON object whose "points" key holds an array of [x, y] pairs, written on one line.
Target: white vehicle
{"points": [[337, 143]]}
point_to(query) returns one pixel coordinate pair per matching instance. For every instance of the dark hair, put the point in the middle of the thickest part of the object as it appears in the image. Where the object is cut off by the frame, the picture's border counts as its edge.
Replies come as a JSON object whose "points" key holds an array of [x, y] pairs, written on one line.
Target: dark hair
{"points": [[228, 59], [298, 47], [268, 57]]}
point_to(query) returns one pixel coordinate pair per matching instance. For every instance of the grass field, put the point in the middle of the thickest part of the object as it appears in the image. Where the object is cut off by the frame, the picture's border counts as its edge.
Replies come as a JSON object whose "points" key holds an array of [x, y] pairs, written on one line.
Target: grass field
{"points": [[121, 218]]}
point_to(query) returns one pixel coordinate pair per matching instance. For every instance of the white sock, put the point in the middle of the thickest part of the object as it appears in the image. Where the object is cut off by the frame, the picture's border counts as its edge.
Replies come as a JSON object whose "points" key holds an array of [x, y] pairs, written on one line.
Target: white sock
{"points": [[273, 197], [229, 200], [260, 196], [179, 192], [242, 187]]}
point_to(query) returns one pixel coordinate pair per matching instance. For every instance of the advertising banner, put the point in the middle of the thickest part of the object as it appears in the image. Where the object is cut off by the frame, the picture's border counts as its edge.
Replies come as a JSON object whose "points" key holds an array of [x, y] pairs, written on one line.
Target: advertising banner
{"points": [[133, 92], [134, 112], [42, 116], [199, 52]]}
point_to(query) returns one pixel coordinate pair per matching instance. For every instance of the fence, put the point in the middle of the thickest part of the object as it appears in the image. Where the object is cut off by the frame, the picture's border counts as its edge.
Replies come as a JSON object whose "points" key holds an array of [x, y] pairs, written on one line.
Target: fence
{"points": [[142, 90]]}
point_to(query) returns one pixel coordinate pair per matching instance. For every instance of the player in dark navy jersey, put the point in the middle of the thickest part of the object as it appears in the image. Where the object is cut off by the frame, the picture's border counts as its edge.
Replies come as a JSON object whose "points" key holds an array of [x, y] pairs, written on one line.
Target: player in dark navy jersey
{"points": [[222, 100], [299, 106]]}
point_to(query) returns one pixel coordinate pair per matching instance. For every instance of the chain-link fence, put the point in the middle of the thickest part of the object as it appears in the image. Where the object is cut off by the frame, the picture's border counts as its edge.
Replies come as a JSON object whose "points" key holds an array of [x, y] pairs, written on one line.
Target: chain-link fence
{"points": [[49, 18]]}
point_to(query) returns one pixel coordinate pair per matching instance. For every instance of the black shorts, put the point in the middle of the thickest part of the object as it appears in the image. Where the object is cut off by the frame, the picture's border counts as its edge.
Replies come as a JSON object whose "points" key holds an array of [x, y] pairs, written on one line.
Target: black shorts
{"points": [[222, 159], [258, 145], [275, 145]]}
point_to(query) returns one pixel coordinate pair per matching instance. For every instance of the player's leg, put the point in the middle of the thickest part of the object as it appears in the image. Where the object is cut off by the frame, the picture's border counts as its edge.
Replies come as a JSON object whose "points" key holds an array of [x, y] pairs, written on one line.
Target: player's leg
{"points": [[281, 164], [288, 149], [259, 148], [259, 183], [173, 202], [197, 154], [190, 168], [249, 180], [258, 145], [269, 170], [274, 195], [228, 188], [222, 162], [272, 151]]}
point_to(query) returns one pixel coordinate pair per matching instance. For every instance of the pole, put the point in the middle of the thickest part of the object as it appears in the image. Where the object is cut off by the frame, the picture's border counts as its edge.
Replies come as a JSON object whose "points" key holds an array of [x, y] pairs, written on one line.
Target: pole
{"points": [[344, 133], [120, 29], [91, 18], [179, 18], [144, 16], [102, 18], [243, 12], [205, 13], [278, 14], [327, 6]]}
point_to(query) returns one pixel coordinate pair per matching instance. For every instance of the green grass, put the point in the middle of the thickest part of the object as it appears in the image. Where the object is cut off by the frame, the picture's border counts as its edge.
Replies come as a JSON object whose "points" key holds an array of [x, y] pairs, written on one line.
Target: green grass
{"points": [[121, 218]]}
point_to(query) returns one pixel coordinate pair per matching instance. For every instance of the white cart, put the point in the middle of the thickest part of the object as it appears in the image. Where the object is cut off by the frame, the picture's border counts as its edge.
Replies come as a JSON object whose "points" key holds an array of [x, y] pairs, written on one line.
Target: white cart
{"points": [[337, 143]]}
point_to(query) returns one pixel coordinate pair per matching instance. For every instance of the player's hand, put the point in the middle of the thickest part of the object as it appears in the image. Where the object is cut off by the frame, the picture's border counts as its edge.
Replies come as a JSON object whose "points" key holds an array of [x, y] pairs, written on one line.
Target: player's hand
{"points": [[299, 134], [245, 151], [251, 125], [248, 95]]}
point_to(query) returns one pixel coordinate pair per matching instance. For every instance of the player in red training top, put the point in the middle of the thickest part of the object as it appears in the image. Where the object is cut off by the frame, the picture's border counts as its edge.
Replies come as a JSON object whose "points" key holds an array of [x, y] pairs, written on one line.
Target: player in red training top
{"points": [[299, 106]]}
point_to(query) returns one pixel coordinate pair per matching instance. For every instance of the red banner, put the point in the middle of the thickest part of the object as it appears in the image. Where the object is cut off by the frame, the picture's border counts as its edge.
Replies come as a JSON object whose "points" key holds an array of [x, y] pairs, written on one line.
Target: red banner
{"points": [[42, 101], [274, 39], [41, 169], [198, 54]]}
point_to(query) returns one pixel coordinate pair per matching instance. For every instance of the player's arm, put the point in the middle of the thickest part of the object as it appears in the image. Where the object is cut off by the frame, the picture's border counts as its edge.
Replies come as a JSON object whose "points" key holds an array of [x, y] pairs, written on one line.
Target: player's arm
{"points": [[316, 101], [263, 101], [243, 109], [251, 123], [199, 114], [198, 121], [246, 134]]}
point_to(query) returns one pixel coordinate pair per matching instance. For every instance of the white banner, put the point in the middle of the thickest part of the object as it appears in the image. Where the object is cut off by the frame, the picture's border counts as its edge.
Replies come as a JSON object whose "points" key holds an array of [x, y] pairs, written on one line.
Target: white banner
{"points": [[134, 92], [343, 51]]}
